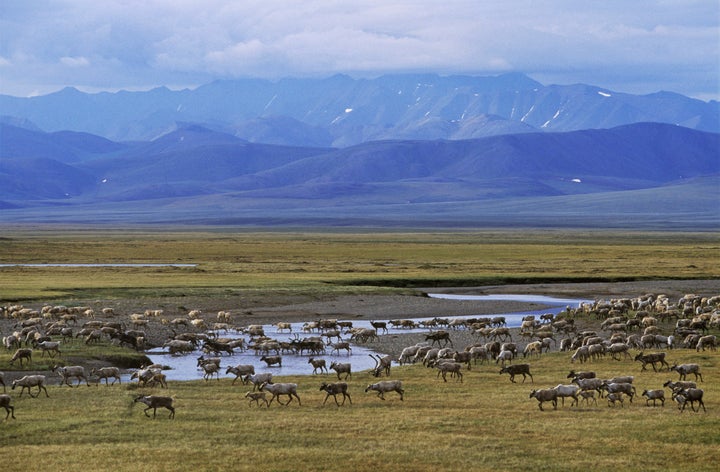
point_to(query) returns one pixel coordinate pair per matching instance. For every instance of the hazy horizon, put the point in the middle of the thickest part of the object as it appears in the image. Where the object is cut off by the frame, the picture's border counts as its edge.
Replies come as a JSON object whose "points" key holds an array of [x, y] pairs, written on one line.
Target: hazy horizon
{"points": [[630, 47]]}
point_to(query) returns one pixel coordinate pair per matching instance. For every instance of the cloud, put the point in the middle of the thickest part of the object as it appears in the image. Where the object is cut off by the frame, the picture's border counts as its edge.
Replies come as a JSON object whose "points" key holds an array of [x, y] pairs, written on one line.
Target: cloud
{"points": [[74, 61], [640, 46]]}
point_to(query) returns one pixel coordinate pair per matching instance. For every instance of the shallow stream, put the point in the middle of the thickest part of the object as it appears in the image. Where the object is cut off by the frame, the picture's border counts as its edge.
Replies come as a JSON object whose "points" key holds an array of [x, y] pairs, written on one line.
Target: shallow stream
{"points": [[185, 367]]}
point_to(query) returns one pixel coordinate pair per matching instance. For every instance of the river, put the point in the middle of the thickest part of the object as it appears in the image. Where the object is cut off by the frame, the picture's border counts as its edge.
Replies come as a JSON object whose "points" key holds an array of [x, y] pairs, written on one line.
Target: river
{"points": [[185, 367]]}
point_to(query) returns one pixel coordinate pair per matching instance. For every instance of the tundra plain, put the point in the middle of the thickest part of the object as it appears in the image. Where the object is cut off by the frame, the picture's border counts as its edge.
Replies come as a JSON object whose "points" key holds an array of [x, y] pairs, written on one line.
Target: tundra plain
{"points": [[484, 423]]}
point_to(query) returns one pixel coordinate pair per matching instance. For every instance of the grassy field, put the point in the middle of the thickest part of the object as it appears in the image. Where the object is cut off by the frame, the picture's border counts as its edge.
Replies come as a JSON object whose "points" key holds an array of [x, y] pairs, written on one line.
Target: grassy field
{"points": [[323, 263], [483, 423]]}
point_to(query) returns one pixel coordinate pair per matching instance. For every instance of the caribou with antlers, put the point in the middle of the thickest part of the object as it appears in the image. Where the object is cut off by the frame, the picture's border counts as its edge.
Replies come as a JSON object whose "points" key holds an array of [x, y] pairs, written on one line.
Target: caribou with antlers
{"points": [[382, 365]]}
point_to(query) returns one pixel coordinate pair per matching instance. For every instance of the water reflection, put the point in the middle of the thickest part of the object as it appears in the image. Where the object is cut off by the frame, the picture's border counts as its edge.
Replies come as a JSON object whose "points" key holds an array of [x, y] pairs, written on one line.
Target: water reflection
{"points": [[185, 367]]}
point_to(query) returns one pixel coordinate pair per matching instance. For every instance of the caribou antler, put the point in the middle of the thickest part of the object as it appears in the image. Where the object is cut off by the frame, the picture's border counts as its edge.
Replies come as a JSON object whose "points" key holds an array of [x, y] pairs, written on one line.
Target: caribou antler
{"points": [[382, 364]]}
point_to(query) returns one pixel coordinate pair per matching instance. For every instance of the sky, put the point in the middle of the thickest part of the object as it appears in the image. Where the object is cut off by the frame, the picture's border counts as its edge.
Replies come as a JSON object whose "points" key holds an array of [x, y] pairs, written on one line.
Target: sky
{"points": [[632, 46]]}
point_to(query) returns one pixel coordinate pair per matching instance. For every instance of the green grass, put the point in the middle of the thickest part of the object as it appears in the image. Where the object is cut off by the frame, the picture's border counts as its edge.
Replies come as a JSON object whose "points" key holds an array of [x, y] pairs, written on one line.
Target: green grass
{"points": [[77, 349], [484, 423], [330, 263]]}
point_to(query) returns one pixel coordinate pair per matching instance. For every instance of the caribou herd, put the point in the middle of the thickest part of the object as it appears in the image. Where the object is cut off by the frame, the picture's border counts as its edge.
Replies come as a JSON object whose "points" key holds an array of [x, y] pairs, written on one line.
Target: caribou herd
{"points": [[648, 330]]}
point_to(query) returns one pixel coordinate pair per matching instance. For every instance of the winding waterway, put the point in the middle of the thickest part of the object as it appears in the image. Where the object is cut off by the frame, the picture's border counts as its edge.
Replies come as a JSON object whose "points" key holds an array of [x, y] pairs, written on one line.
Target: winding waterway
{"points": [[185, 367]]}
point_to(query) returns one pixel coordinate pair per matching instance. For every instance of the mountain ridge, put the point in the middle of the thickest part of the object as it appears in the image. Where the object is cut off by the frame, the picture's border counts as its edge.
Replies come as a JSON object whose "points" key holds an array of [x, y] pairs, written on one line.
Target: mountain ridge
{"points": [[200, 174], [341, 111]]}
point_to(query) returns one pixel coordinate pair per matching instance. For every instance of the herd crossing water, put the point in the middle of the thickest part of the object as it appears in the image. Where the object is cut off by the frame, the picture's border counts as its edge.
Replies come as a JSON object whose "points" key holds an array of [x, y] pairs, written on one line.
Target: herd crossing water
{"points": [[185, 367]]}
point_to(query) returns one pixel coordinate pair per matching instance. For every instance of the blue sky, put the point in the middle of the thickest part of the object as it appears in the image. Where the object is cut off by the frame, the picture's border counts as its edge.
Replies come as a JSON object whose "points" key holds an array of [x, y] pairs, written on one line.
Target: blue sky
{"points": [[635, 46]]}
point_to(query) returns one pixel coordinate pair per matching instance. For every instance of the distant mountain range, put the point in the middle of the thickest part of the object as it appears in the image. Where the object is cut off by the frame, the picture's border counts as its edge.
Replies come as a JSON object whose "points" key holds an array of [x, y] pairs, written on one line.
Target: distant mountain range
{"points": [[340, 111], [638, 175]]}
